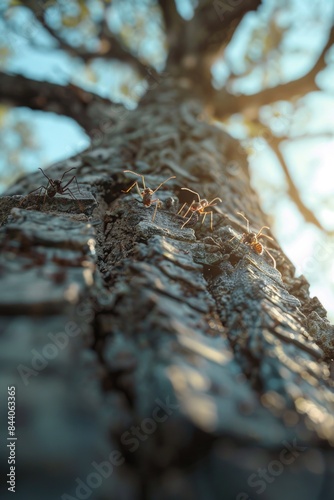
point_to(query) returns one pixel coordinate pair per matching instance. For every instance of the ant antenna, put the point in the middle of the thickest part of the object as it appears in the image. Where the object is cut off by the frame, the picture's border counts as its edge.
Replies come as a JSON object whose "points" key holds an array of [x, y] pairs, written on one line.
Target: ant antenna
{"points": [[66, 173], [210, 204], [138, 175], [169, 178], [194, 192], [48, 178], [247, 221]]}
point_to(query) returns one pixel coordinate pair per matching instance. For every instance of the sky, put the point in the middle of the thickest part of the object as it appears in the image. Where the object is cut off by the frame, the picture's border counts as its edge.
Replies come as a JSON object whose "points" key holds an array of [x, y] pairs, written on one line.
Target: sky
{"points": [[309, 159]]}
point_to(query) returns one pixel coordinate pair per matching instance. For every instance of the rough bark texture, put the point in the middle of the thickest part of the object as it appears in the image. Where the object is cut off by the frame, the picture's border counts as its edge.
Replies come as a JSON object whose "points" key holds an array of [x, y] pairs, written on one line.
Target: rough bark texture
{"points": [[197, 360]]}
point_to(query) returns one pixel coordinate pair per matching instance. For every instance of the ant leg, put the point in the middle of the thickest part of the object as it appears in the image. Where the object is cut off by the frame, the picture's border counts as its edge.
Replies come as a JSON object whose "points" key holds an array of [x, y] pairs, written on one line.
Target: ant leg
{"points": [[66, 173], [190, 206], [41, 187], [80, 205], [45, 195], [169, 178], [76, 181], [233, 238], [212, 242], [68, 190], [211, 219], [131, 187], [31, 192], [138, 190], [204, 216], [179, 212], [46, 192], [157, 203], [71, 180], [272, 258], [239, 242], [187, 221]]}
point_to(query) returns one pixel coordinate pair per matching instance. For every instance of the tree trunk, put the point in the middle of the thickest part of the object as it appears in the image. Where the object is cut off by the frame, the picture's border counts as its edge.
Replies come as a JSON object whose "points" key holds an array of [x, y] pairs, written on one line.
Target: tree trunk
{"points": [[186, 363]]}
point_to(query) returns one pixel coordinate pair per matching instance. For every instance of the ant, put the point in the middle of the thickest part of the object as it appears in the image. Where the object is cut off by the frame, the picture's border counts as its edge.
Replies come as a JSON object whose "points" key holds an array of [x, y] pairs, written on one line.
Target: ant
{"points": [[55, 186], [252, 239], [147, 193], [197, 208]]}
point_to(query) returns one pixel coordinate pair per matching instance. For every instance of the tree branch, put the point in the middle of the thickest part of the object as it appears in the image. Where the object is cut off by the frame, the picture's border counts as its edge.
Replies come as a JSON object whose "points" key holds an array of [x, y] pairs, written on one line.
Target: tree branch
{"points": [[275, 142], [110, 47], [316, 135], [169, 13], [69, 100], [218, 21], [174, 25], [115, 50], [224, 104], [212, 26]]}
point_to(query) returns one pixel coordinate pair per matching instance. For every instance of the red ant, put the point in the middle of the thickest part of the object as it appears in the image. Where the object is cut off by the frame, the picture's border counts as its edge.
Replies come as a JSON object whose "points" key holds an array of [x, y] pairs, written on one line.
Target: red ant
{"points": [[147, 193], [198, 207], [252, 239], [55, 186]]}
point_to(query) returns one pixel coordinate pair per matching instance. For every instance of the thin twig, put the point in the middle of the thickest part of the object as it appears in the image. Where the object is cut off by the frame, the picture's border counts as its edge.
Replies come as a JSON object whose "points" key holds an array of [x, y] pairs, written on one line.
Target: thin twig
{"points": [[224, 103], [275, 142]]}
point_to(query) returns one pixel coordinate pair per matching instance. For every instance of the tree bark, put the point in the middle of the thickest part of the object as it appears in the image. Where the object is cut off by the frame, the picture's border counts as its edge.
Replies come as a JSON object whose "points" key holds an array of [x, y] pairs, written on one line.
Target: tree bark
{"points": [[200, 371]]}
